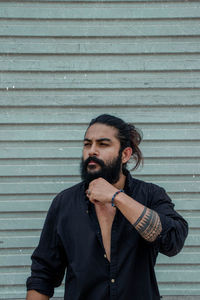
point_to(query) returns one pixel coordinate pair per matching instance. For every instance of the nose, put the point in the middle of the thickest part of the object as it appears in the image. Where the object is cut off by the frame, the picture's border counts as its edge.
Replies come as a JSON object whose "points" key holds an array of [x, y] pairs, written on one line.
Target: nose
{"points": [[93, 151]]}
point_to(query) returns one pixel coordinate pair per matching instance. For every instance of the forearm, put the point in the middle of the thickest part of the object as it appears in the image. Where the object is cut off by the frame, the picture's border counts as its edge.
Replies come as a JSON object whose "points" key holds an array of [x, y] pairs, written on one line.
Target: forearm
{"points": [[34, 295], [146, 221]]}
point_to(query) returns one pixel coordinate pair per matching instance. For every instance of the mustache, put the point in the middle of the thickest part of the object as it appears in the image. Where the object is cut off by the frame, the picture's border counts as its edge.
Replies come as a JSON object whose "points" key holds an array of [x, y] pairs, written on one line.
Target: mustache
{"points": [[94, 159]]}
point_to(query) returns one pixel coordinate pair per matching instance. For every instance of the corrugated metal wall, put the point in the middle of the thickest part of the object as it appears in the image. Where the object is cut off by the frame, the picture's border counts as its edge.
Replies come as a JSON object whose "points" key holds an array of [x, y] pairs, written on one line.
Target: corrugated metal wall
{"points": [[64, 62]]}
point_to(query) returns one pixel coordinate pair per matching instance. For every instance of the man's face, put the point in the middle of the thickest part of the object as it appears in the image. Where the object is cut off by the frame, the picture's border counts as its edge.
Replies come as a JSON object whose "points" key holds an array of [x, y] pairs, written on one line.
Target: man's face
{"points": [[101, 154]]}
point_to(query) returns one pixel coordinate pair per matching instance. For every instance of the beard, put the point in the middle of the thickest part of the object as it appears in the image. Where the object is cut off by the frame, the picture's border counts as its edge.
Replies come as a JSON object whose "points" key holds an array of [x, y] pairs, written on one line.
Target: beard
{"points": [[109, 171]]}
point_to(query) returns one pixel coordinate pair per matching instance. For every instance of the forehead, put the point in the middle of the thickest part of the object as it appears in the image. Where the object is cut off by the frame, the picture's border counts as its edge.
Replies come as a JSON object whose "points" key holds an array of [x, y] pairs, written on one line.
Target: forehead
{"points": [[99, 131]]}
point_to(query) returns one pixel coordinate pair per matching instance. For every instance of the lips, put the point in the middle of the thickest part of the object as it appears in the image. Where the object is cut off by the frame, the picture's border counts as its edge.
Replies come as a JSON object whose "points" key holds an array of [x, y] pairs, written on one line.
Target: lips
{"points": [[92, 164]]}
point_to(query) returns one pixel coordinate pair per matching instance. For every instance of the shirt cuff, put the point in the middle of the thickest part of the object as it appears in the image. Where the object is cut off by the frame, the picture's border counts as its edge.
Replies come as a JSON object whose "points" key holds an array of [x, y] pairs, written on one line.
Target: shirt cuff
{"points": [[40, 286]]}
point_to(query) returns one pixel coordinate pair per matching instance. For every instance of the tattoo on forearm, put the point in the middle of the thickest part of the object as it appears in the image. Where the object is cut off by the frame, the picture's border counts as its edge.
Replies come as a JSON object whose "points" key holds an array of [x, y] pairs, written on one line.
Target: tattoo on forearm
{"points": [[148, 224]]}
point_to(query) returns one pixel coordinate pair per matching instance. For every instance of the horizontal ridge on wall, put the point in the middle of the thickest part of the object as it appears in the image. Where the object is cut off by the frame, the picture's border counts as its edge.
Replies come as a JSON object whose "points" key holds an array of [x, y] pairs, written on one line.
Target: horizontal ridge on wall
{"points": [[63, 63]]}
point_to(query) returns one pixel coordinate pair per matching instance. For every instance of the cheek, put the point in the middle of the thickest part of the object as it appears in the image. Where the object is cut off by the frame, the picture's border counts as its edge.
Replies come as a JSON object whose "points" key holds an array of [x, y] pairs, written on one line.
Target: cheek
{"points": [[85, 155], [110, 155]]}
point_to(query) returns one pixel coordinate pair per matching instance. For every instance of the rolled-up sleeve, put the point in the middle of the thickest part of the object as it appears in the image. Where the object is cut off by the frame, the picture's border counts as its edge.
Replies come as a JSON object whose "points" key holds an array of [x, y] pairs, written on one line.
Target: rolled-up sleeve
{"points": [[48, 259], [174, 226]]}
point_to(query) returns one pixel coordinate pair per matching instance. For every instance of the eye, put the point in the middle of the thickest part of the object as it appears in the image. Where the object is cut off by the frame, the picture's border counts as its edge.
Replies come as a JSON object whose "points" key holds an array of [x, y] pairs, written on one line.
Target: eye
{"points": [[104, 144], [86, 144]]}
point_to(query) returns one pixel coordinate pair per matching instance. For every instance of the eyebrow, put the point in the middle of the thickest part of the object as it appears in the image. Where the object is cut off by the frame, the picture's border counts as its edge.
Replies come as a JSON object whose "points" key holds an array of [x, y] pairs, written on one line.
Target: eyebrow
{"points": [[99, 140]]}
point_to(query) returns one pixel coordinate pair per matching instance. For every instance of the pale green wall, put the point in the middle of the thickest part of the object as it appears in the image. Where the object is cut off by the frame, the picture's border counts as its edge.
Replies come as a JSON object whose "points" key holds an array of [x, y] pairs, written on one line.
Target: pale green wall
{"points": [[64, 62]]}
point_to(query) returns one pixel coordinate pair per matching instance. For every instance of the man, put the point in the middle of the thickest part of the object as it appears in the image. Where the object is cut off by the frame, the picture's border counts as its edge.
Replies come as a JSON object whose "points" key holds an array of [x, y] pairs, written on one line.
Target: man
{"points": [[107, 230]]}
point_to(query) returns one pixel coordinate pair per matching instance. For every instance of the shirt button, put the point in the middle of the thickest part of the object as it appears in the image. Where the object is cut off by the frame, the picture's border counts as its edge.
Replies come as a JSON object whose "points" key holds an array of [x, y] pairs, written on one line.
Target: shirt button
{"points": [[112, 280], [87, 211], [105, 255]]}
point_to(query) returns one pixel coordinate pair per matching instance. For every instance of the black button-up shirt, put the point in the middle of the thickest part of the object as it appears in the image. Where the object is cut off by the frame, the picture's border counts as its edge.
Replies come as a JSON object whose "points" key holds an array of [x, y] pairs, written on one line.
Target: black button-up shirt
{"points": [[71, 240]]}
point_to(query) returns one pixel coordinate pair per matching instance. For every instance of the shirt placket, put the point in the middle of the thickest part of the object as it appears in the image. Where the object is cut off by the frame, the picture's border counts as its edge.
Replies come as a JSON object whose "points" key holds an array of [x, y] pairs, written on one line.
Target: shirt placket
{"points": [[112, 265], [113, 262], [98, 231]]}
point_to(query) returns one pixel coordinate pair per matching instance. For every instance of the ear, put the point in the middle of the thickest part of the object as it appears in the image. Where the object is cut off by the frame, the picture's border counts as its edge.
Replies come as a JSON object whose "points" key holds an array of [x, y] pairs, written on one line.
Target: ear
{"points": [[126, 154]]}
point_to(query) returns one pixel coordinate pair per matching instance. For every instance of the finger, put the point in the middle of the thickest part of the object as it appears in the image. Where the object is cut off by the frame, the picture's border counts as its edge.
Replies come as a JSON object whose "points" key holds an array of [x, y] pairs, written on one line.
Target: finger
{"points": [[88, 193], [96, 202], [99, 203], [92, 200]]}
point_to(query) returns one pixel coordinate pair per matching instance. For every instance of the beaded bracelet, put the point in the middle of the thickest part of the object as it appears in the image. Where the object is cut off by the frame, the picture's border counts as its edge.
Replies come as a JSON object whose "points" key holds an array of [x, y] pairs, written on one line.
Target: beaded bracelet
{"points": [[113, 197]]}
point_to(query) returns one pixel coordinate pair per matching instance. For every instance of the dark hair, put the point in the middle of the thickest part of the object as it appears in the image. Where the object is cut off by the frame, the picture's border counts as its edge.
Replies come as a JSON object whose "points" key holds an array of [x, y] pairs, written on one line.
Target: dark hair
{"points": [[128, 135]]}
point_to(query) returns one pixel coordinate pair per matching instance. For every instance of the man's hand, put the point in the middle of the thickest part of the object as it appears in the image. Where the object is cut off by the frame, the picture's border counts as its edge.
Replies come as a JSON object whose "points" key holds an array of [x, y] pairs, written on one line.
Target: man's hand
{"points": [[34, 295], [146, 221], [100, 191]]}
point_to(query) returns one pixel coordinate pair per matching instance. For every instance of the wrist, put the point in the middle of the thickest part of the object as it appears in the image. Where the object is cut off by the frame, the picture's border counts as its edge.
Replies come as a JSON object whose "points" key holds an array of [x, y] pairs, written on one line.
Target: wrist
{"points": [[115, 195]]}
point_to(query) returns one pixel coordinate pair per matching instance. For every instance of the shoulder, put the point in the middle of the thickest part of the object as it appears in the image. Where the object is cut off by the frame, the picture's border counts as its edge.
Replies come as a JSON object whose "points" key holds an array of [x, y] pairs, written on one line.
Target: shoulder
{"points": [[148, 187], [147, 190], [68, 195], [71, 190]]}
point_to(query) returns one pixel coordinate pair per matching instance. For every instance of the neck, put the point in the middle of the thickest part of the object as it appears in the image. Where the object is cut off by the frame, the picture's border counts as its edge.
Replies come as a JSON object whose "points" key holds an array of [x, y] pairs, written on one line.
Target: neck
{"points": [[121, 182]]}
